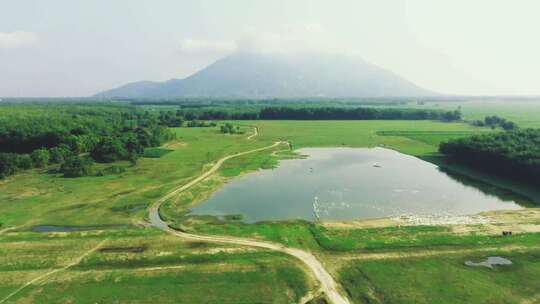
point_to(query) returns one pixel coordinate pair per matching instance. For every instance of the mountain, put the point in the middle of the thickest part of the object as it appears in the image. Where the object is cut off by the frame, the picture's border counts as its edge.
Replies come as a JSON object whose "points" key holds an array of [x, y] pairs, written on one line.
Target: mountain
{"points": [[264, 76]]}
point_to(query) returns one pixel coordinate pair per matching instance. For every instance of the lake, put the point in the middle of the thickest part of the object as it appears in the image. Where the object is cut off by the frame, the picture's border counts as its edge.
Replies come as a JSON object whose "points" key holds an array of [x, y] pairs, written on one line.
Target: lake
{"points": [[347, 184]]}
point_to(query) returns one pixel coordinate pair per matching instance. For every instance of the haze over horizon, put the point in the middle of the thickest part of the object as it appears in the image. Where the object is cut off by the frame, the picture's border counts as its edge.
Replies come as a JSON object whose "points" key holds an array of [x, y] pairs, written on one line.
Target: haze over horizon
{"points": [[66, 48]]}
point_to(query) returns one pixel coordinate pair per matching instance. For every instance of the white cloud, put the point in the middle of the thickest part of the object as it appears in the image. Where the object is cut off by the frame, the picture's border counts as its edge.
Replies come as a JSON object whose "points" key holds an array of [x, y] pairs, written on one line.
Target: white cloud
{"points": [[285, 39], [206, 47], [291, 38], [17, 39]]}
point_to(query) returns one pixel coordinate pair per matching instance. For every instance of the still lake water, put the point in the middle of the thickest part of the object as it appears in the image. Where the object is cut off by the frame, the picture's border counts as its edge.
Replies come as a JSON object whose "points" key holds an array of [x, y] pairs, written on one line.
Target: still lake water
{"points": [[347, 184]]}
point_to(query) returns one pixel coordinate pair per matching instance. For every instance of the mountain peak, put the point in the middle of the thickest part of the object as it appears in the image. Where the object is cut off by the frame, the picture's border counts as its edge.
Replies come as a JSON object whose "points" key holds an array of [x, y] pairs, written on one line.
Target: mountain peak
{"points": [[256, 75]]}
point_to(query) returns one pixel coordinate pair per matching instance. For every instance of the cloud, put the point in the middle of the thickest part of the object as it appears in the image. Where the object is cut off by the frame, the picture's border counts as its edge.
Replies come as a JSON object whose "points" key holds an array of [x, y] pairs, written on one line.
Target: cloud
{"points": [[206, 47], [17, 39], [309, 37]]}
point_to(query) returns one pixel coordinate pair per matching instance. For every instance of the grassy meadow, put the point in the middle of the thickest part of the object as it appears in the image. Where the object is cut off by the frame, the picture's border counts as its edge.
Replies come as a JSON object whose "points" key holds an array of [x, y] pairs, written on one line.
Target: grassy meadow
{"points": [[526, 113], [142, 266], [444, 279]]}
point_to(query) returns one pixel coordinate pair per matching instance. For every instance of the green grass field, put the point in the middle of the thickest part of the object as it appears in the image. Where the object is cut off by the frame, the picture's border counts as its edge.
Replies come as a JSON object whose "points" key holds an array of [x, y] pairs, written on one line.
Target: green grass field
{"points": [[525, 113], [444, 279], [143, 265]]}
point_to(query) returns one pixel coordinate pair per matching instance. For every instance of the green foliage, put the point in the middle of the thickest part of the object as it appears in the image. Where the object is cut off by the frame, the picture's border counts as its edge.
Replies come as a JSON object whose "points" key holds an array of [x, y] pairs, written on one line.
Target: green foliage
{"points": [[327, 113], [25, 162], [59, 154], [8, 164], [40, 158], [514, 154], [52, 133], [302, 110], [229, 128], [109, 149], [494, 122], [75, 166], [200, 124]]}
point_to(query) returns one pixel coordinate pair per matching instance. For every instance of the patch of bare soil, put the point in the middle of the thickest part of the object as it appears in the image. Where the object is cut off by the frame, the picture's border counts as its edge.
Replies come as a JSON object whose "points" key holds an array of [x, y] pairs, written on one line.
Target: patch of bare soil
{"points": [[359, 224], [493, 222], [174, 145]]}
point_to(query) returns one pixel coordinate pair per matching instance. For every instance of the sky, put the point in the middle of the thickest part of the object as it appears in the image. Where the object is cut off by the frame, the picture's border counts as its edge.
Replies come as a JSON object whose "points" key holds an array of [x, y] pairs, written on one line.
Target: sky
{"points": [[62, 48]]}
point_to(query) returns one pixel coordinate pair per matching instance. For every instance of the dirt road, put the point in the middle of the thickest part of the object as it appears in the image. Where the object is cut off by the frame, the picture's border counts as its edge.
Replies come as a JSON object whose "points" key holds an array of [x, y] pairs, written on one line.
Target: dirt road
{"points": [[327, 284], [255, 133]]}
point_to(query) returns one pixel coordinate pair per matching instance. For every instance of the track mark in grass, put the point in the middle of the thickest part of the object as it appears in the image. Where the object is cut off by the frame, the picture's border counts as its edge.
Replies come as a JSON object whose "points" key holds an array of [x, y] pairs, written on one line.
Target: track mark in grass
{"points": [[48, 274], [131, 249]]}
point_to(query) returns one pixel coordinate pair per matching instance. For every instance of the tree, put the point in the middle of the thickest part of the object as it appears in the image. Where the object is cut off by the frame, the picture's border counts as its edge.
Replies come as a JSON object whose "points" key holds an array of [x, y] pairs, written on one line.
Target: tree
{"points": [[75, 144], [59, 154], [508, 125], [144, 137], [108, 150], [75, 166], [8, 164], [40, 158], [229, 128], [24, 161]]}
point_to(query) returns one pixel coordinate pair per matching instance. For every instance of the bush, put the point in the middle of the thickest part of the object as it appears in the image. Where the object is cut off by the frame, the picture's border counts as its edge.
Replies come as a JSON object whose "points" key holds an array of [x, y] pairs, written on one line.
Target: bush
{"points": [[24, 161], [8, 164], [229, 128], [40, 158], [59, 154], [75, 166]]}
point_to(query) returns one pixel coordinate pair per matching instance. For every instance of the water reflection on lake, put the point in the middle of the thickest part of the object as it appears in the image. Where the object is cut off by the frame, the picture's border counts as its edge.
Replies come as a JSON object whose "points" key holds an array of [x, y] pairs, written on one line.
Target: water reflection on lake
{"points": [[347, 184]]}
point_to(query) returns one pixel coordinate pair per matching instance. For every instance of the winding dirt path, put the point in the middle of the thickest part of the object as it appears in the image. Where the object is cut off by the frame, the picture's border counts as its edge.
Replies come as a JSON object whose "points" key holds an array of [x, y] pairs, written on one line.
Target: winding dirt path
{"points": [[255, 133], [45, 275], [327, 284]]}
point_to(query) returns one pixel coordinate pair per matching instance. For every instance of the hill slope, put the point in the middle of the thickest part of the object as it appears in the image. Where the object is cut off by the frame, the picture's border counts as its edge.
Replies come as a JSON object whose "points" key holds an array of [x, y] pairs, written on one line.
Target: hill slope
{"points": [[258, 76]]}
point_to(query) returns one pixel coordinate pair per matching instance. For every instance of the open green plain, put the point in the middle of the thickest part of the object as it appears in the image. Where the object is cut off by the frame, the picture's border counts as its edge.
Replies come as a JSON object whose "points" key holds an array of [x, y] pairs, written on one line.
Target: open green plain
{"points": [[137, 264], [142, 266], [525, 113]]}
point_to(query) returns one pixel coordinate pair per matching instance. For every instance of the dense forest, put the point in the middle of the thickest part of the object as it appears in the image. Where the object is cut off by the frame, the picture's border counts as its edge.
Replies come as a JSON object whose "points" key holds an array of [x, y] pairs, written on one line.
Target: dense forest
{"points": [[514, 154], [75, 136]]}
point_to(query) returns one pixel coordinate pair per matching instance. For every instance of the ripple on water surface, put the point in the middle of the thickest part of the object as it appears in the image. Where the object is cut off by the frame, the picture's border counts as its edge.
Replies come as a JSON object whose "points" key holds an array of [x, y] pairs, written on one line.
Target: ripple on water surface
{"points": [[347, 184]]}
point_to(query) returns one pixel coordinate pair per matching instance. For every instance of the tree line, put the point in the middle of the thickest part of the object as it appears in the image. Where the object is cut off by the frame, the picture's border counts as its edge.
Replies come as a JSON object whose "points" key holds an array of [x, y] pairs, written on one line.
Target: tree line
{"points": [[323, 113], [515, 154], [330, 113], [494, 122]]}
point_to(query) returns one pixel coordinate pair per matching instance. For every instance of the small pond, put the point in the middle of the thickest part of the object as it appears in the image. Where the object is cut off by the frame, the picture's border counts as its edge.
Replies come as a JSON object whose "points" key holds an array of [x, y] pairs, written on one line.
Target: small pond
{"points": [[489, 262], [348, 184]]}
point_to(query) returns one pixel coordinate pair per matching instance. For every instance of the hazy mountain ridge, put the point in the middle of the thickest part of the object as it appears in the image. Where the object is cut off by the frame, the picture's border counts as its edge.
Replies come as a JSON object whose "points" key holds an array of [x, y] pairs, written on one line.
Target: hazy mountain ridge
{"points": [[258, 76]]}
